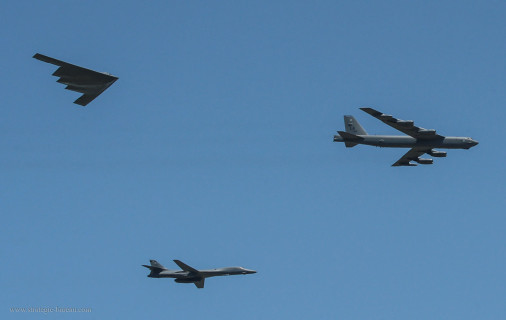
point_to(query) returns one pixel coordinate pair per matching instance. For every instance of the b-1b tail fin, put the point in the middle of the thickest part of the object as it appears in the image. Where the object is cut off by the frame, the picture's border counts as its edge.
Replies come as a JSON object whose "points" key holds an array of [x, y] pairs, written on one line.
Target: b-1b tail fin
{"points": [[155, 266]]}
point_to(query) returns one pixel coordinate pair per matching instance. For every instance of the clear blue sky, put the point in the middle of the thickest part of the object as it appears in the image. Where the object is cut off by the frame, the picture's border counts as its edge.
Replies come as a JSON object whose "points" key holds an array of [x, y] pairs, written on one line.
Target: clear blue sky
{"points": [[215, 147]]}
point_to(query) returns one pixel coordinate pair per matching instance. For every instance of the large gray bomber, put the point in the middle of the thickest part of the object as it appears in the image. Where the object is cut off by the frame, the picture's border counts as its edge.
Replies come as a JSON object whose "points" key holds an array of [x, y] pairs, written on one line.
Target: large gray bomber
{"points": [[191, 275], [420, 140], [88, 82]]}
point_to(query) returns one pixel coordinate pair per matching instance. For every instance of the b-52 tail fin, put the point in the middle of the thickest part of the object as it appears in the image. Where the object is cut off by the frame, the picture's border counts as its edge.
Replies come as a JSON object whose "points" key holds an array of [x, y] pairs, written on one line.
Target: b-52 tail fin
{"points": [[352, 126]]}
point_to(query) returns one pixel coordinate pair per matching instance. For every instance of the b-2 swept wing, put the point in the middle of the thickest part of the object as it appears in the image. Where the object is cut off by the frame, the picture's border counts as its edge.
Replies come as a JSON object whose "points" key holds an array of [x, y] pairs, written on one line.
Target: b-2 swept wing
{"points": [[88, 82]]}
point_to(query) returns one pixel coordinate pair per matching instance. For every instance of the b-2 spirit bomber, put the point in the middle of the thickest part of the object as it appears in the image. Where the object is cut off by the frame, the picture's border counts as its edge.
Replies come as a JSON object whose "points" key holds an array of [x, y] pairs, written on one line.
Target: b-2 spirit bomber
{"points": [[420, 140], [191, 275], [88, 82]]}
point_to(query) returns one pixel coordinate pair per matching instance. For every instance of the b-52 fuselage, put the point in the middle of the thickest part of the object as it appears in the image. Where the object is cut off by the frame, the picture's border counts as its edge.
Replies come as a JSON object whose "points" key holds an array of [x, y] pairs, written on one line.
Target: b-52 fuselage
{"points": [[191, 275], [420, 140]]}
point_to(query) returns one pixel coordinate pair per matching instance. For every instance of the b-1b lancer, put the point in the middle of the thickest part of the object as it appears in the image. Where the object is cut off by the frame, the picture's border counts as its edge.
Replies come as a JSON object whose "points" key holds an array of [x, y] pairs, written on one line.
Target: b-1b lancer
{"points": [[88, 82], [191, 275], [420, 140]]}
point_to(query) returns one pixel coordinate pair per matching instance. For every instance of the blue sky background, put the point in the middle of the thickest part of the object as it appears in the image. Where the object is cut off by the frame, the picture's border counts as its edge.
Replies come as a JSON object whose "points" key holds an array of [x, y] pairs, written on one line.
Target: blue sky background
{"points": [[215, 147]]}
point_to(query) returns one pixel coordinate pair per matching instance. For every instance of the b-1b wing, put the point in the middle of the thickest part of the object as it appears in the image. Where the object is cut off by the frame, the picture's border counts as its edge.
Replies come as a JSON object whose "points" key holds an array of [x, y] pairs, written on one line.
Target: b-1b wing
{"points": [[186, 267], [420, 140]]}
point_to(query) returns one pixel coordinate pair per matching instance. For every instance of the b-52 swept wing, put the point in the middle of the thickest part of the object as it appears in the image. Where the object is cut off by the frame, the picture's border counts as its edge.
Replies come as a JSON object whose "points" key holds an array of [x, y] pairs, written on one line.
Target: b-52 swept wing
{"points": [[414, 155], [406, 126], [420, 140], [88, 82]]}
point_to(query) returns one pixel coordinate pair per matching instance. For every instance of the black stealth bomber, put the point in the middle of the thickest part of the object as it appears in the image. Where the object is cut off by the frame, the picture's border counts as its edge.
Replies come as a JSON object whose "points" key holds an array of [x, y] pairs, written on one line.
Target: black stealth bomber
{"points": [[88, 82], [420, 140], [191, 275]]}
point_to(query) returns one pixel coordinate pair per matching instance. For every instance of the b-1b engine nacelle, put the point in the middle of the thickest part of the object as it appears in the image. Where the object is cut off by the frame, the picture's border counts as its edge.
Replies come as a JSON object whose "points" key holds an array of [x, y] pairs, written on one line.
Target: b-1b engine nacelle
{"points": [[188, 280]]}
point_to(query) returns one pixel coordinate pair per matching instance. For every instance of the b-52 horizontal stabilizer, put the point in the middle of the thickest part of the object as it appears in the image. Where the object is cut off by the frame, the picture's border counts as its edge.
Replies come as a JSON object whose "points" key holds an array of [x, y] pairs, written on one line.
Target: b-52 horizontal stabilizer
{"points": [[350, 140]]}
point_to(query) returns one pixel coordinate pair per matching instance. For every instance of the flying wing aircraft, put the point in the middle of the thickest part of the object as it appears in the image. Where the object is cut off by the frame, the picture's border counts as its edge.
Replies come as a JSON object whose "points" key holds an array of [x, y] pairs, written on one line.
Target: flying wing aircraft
{"points": [[419, 140], [88, 82], [191, 275]]}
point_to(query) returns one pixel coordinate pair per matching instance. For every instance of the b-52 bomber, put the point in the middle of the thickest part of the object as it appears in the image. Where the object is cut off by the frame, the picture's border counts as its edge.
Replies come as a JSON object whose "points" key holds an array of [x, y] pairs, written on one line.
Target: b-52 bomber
{"points": [[88, 82], [191, 275], [420, 140]]}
